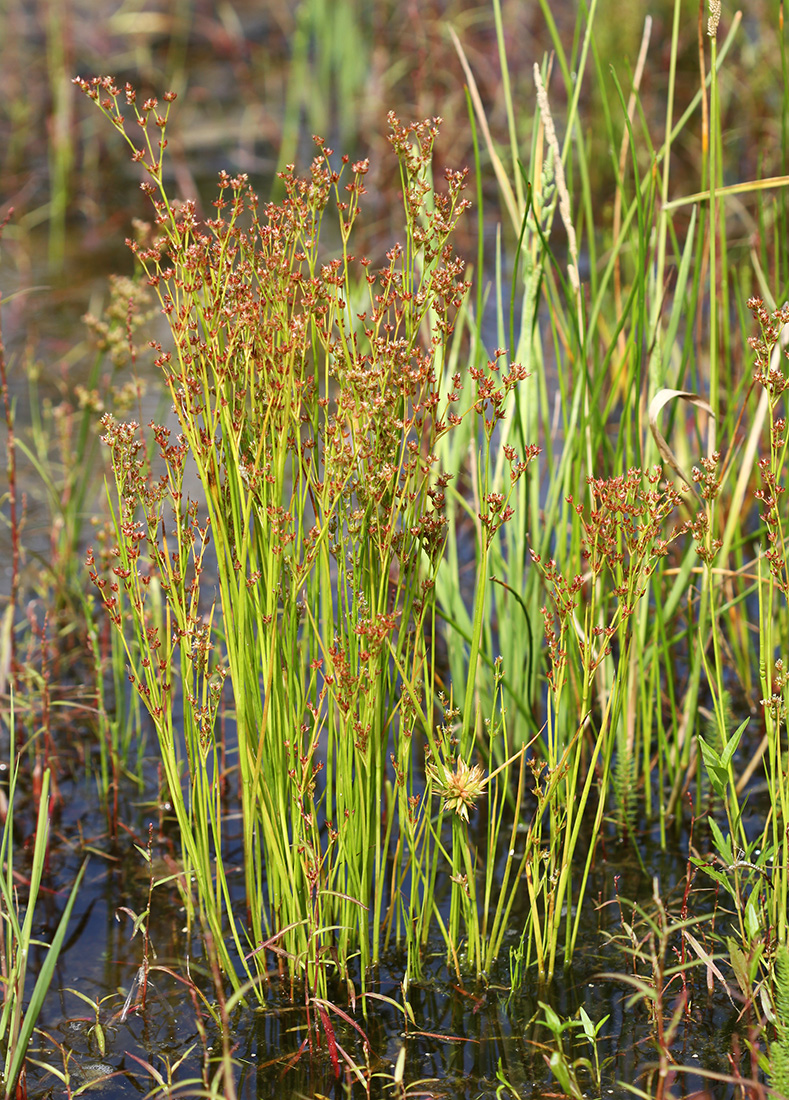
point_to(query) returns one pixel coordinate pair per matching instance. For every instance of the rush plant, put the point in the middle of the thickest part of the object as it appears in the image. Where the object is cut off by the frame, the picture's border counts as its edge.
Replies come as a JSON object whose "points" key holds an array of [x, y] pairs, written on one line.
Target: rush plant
{"points": [[306, 392], [622, 541], [770, 374]]}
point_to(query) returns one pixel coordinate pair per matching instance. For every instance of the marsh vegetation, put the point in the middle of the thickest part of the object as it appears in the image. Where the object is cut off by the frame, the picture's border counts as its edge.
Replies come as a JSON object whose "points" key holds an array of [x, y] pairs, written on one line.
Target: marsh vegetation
{"points": [[399, 696]]}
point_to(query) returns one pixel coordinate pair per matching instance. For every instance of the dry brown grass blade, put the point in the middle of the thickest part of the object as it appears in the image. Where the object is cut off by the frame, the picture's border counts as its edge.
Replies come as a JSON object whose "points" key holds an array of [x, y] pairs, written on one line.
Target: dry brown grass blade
{"points": [[661, 398], [713, 971], [732, 189], [501, 175]]}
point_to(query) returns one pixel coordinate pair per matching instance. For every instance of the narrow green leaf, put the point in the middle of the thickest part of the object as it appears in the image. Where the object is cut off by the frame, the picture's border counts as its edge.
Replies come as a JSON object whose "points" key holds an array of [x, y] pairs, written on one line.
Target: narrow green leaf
{"points": [[40, 989]]}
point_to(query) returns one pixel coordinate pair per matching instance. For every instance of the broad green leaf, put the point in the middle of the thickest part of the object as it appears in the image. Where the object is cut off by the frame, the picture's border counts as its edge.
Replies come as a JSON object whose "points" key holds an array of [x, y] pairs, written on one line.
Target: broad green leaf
{"points": [[732, 743]]}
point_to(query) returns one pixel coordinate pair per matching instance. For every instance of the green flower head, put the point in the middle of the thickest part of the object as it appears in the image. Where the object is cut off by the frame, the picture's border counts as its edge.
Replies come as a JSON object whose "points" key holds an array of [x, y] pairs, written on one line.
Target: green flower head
{"points": [[460, 788]]}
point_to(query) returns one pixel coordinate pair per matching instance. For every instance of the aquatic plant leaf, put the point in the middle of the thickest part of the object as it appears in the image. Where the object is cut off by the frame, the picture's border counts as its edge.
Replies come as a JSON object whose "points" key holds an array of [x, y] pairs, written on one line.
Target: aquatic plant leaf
{"points": [[324, 1004], [739, 964], [643, 989], [590, 1028], [717, 773], [399, 1070], [753, 924], [561, 1071], [500, 1077], [713, 872], [744, 187], [331, 1041], [61, 1076], [149, 1069], [501, 174], [723, 844], [6, 625], [552, 1020], [404, 1008], [731, 745]]}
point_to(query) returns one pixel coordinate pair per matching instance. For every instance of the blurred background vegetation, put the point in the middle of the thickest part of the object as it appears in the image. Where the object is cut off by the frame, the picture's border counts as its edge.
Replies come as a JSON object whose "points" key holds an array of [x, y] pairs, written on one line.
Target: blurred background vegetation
{"points": [[256, 80]]}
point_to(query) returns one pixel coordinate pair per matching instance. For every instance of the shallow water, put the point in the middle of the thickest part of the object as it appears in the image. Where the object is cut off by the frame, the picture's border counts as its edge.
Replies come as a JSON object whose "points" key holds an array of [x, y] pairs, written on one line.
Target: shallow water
{"points": [[463, 1033]]}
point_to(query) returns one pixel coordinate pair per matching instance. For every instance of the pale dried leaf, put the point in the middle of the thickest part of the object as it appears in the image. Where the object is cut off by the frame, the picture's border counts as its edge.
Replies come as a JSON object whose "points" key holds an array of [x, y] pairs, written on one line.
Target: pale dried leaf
{"points": [[709, 963], [661, 398]]}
